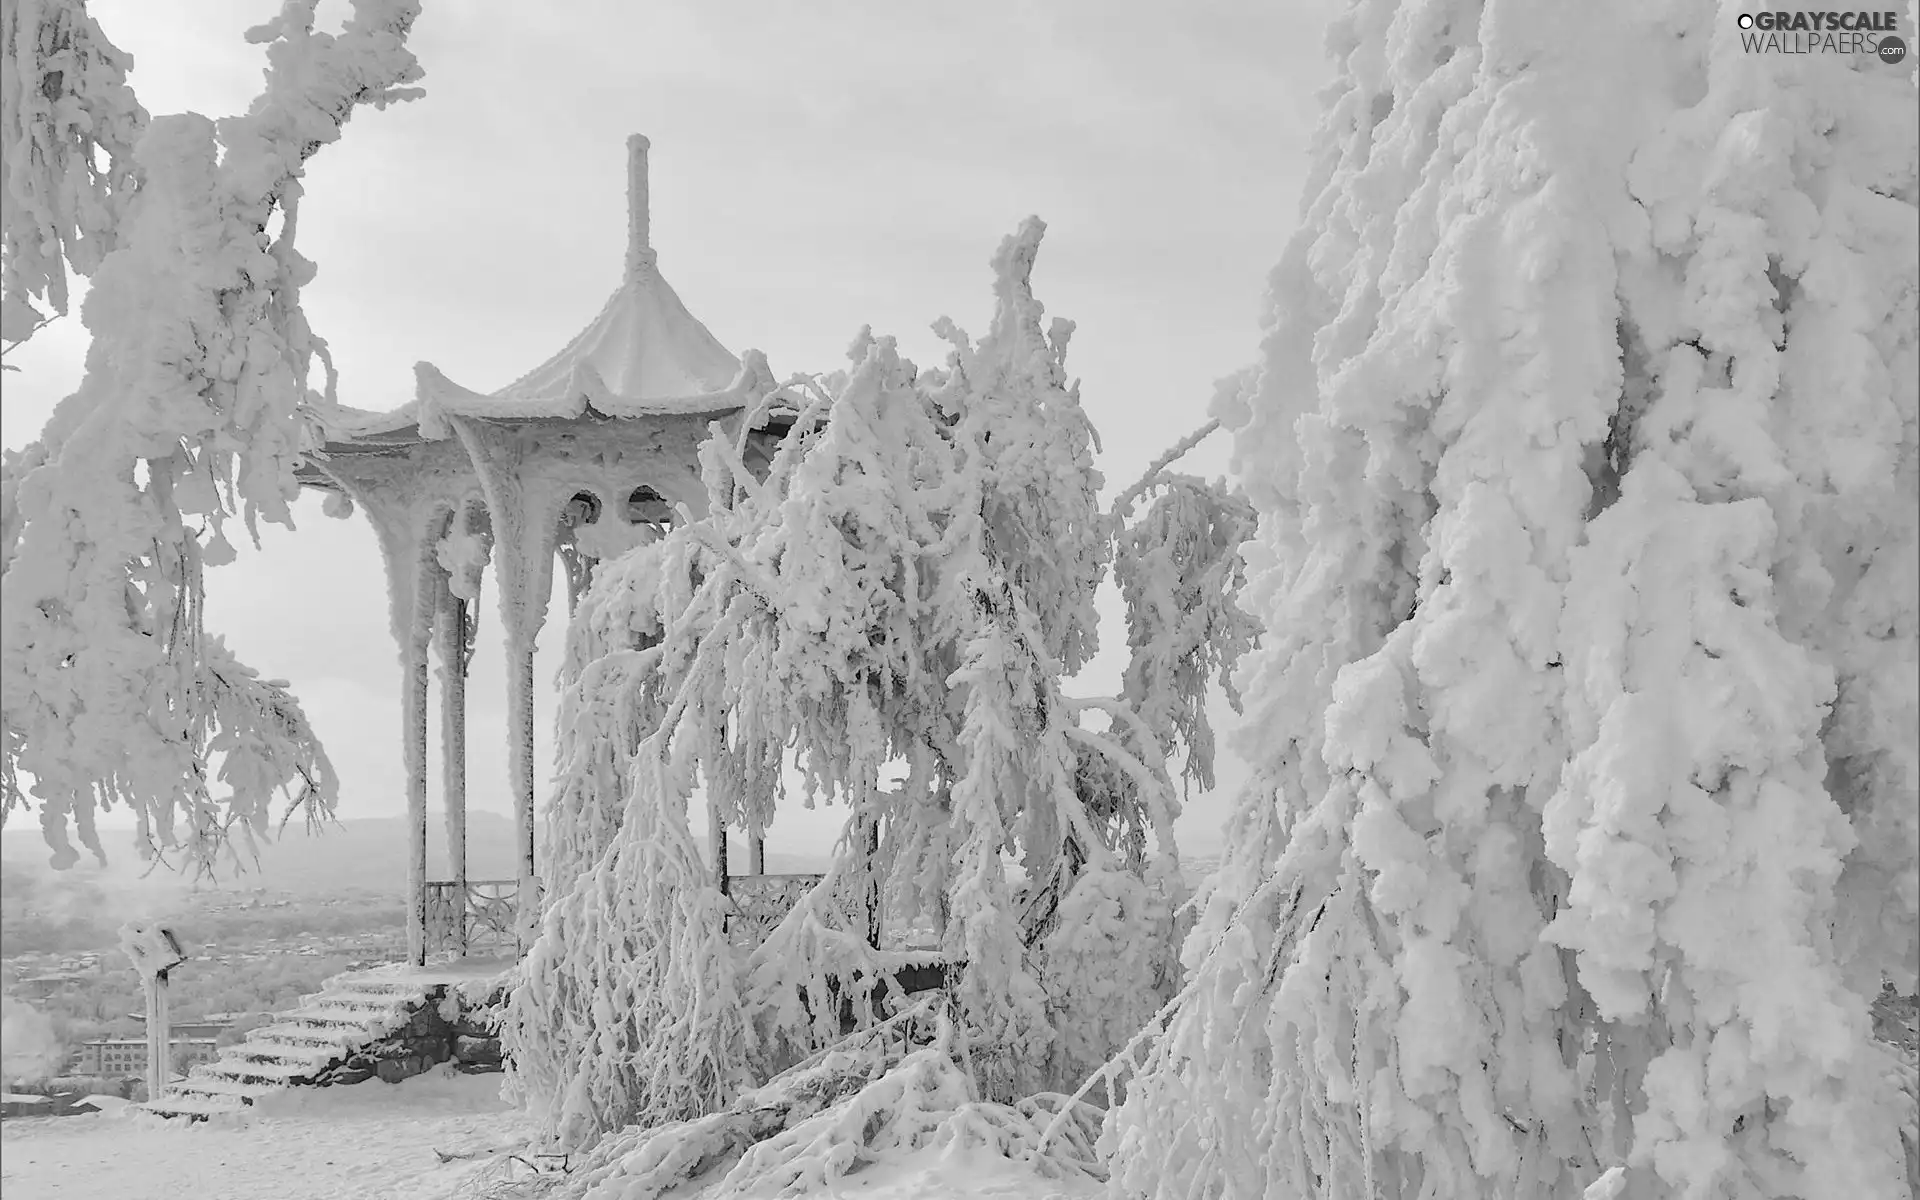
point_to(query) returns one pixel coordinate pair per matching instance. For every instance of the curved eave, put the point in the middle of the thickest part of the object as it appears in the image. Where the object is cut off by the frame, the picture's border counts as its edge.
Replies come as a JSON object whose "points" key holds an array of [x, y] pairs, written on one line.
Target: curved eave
{"points": [[425, 420], [584, 395]]}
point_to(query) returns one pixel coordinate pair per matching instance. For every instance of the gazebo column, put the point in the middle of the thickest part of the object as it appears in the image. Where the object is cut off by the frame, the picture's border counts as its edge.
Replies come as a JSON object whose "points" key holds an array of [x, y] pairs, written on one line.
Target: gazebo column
{"points": [[451, 632], [525, 531], [391, 506], [520, 747], [414, 720]]}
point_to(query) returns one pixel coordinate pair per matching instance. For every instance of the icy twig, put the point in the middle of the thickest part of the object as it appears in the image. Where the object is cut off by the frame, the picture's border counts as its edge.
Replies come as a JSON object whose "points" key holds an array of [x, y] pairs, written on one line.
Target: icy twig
{"points": [[1146, 481]]}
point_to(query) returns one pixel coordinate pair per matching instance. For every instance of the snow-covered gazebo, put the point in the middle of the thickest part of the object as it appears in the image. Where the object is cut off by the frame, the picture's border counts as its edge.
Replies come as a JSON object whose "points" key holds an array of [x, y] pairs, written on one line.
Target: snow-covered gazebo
{"points": [[584, 457]]}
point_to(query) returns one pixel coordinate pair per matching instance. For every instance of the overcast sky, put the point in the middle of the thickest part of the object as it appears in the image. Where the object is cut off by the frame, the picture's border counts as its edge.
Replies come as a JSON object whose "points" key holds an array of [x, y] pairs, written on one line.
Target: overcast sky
{"points": [[815, 167]]}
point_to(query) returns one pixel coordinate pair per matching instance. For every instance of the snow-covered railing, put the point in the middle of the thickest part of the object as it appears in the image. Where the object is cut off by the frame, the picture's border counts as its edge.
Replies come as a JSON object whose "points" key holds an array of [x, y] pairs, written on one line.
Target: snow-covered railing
{"points": [[479, 919], [760, 902]]}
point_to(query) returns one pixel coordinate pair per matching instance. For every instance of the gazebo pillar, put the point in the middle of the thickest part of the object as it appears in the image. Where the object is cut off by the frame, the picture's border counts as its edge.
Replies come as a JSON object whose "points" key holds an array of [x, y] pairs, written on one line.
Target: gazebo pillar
{"points": [[392, 509], [413, 708], [451, 633], [520, 746], [525, 532]]}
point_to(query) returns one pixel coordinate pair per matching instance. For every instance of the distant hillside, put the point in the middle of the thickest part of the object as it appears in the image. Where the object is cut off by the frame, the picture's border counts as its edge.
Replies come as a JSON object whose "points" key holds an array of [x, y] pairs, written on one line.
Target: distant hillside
{"points": [[360, 855], [363, 854], [368, 855]]}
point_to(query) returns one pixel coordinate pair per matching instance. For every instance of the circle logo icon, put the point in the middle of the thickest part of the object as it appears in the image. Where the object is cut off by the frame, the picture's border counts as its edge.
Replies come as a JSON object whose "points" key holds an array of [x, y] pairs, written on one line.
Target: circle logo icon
{"points": [[1892, 50], [1745, 21]]}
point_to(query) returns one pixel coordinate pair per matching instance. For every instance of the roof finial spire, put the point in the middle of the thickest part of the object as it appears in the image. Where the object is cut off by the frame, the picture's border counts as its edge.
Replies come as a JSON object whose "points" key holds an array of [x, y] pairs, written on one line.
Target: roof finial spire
{"points": [[639, 234]]}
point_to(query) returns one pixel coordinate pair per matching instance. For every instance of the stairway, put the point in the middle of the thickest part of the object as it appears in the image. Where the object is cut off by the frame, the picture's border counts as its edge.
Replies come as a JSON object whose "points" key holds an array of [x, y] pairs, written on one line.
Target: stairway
{"points": [[348, 1012]]}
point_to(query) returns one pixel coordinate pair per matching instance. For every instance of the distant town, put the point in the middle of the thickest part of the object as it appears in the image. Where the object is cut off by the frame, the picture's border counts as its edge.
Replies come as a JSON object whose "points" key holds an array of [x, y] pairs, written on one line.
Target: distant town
{"points": [[75, 1017]]}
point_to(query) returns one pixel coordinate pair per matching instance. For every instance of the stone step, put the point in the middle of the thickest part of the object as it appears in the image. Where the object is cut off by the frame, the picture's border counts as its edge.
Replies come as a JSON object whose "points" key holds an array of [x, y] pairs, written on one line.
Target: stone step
{"points": [[372, 1002], [398, 990], [313, 1057], [206, 1085], [335, 1018], [365, 985], [376, 990], [355, 1011], [307, 1044], [294, 1033], [201, 1107], [333, 1033], [276, 1074], [274, 1046]]}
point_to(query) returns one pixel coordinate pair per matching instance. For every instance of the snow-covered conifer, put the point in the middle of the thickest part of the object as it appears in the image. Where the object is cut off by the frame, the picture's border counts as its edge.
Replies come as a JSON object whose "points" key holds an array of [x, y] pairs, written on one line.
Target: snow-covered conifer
{"points": [[1583, 447]]}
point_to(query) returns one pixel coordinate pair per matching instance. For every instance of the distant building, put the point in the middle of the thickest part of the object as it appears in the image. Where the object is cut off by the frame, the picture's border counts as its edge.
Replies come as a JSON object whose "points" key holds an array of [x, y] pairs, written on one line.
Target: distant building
{"points": [[115, 1058], [39, 987], [17, 1105], [210, 1026]]}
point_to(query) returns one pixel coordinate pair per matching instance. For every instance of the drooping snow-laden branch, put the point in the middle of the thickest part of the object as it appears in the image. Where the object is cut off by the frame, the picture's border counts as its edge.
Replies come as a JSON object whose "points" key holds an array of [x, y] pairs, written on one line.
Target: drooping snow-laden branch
{"points": [[1181, 575], [64, 106], [1584, 453], [194, 408]]}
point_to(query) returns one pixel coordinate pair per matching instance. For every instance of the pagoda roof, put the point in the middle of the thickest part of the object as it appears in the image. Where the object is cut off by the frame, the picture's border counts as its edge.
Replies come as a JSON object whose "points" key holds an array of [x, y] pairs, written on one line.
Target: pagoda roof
{"points": [[644, 355]]}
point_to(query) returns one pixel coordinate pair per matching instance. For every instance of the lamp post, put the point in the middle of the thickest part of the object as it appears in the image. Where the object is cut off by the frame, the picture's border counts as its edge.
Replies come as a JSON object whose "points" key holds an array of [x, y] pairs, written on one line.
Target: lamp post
{"points": [[155, 951]]}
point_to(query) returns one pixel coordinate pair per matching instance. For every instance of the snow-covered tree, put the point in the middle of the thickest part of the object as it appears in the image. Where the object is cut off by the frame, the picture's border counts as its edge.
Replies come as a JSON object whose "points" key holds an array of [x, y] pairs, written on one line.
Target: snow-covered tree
{"points": [[1583, 445], [884, 618], [64, 107], [195, 407]]}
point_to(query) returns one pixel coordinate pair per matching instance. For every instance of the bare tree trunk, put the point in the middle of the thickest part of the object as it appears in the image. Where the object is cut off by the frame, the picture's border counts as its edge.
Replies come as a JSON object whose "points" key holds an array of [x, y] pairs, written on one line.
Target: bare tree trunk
{"points": [[717, 835], [872, 881]]}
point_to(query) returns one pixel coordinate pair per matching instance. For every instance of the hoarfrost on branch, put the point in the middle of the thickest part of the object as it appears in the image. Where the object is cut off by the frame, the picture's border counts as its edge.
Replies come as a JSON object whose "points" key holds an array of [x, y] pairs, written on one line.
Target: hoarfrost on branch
{"points": [[1582, 834], [195, 407], [885, 619]]}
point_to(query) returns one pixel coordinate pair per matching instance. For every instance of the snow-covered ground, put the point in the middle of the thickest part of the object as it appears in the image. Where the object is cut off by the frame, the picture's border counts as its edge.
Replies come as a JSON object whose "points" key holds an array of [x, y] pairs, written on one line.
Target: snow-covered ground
{"points": [[372, 1141], [935, 1175]]}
